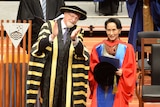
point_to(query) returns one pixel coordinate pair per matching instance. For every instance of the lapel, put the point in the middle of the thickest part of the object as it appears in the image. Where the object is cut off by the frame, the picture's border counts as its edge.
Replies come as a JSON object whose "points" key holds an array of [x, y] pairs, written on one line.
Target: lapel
{"points": [[39, 7], [60, 34]]}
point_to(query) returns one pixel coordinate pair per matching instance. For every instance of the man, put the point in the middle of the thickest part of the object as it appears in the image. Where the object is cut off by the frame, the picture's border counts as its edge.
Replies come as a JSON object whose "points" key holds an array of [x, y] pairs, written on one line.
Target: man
{"points": [[59, 65], [32, 10]]}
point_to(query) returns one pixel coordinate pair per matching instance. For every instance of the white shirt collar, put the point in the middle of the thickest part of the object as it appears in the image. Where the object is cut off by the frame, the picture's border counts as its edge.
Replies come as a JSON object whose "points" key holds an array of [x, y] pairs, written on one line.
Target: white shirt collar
{"points": [[63, 26], [41, 2]]}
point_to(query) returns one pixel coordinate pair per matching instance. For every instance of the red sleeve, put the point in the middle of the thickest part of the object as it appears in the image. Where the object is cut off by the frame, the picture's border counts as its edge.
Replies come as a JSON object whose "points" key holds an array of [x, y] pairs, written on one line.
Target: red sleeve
{"points": [[93, 62], [127, 81]]}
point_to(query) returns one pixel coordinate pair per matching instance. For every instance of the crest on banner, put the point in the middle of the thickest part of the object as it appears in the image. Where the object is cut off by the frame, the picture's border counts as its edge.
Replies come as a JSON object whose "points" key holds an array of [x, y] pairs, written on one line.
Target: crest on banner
{"points": [[16, 31]]}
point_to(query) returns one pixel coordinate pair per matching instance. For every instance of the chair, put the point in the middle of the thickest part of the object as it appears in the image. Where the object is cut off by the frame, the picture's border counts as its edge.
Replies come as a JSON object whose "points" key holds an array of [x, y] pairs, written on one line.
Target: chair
{"points": [[150, 42], [147, 66]]}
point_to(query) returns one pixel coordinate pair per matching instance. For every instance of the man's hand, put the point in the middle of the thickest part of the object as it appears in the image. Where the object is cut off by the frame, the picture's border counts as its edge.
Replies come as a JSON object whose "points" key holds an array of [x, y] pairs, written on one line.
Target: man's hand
{"points": [[75, 32], [54, 30]]}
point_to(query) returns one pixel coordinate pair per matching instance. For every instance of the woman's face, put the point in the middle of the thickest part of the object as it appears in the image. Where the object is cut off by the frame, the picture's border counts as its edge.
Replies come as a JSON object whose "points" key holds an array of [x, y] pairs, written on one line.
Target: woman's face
{"points": [[112, 31], [70, 19]]}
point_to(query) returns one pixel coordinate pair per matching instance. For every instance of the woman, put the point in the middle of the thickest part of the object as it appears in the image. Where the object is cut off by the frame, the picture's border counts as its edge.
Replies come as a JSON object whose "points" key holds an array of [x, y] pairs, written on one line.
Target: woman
{"points": [[113, 47]]}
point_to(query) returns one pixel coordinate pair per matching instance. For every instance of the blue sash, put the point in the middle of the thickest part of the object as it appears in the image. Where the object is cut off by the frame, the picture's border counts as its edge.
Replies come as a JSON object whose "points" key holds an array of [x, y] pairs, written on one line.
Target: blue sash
{"points": [[104, 100], [120, 53]]}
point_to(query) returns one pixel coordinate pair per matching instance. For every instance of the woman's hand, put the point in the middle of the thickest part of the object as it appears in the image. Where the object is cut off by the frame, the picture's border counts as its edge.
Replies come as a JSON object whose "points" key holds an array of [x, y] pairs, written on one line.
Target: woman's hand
{"points": [[119, 72]]}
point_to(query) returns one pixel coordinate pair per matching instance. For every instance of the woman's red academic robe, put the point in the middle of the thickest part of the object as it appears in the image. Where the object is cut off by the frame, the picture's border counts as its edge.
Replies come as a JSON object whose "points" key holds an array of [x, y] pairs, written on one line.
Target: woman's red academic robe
{"points": [[126, 82]]}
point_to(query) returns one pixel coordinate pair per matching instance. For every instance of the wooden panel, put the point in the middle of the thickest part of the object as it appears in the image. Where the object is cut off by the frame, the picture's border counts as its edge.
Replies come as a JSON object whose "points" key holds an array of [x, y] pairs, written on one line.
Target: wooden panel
{"points": [[13, 69]]}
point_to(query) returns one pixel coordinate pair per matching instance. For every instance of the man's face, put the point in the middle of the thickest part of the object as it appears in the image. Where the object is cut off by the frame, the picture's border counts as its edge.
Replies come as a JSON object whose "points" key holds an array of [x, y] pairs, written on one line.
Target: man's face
{"points": [[70, 19], [112, 31]]}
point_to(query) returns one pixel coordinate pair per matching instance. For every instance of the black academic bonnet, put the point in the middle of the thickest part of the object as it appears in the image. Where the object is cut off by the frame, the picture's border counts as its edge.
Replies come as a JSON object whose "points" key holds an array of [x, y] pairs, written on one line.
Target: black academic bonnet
{"points": [[104, 73], [75, 9]]}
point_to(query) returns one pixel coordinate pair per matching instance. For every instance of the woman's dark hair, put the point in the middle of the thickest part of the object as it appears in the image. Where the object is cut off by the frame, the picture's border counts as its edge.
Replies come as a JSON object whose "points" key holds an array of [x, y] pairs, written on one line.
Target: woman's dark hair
{"points": [[114, 20]]}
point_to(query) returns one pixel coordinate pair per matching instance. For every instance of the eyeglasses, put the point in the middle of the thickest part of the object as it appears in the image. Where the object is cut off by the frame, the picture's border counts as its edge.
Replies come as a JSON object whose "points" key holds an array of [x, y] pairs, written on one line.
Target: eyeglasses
{"points": [[73, 16]]}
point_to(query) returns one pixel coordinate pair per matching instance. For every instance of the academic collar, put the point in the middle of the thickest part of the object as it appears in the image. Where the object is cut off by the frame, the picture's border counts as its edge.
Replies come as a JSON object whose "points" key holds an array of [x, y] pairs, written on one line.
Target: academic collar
{"points": [[112, 43]]}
